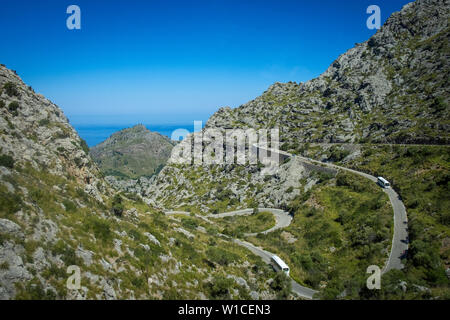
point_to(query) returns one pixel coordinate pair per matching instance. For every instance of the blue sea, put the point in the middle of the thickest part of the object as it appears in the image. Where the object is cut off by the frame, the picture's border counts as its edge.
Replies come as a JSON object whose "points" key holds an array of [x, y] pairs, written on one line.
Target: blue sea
{"points": [[94, 134]]}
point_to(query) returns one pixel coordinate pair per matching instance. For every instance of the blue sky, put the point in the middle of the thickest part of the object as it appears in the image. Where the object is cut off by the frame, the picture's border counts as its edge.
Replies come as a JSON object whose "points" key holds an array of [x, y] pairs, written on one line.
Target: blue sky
{"points": [[174, 61]]}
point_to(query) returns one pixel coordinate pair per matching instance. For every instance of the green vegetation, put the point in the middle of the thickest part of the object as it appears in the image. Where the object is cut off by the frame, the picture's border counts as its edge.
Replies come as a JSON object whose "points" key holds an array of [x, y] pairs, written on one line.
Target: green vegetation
{"points": [[44, 122], [282, 285], [219, 288], [34, 290], [340, 227], [421, 176], [84, 145], [237, 226], [66, 253], [6, 161], [221, 256], [85, 223], [132, 153], [69, 205], [9, 202], [11, 89], [117, 205], [13, 107]]}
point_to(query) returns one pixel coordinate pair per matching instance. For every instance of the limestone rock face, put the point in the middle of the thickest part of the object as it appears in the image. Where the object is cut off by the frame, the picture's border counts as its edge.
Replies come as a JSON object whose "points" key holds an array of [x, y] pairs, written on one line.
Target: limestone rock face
{"points": [[391, 88], [36, 132], [60, 218], [41, 156]]}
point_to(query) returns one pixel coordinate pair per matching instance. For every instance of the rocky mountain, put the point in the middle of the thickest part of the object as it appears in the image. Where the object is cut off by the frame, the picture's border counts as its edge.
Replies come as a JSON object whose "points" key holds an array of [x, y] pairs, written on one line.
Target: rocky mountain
{"points": [[377, 108], [35, 133], [132, 153], [57, 211], [392, 88], [61, 221]]}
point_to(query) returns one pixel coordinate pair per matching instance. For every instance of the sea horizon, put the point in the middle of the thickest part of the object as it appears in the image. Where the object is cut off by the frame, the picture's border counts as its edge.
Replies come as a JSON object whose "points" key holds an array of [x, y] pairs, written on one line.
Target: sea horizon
{"points": [[94, 134]]}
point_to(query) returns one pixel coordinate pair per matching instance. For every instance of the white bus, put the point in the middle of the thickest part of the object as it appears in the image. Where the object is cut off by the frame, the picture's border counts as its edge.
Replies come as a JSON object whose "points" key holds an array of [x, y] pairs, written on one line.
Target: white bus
{"points": [[279, 264], [383, 182]]}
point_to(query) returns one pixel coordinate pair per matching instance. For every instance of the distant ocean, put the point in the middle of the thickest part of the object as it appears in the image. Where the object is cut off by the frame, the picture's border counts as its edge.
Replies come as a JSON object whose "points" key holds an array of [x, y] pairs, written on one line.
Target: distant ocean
{"points": [[94, 134]]}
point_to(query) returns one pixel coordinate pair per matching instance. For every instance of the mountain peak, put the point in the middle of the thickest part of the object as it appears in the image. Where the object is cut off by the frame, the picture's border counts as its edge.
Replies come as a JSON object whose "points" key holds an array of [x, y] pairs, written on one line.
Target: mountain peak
{"points": [[391, 88], [132, 152]]}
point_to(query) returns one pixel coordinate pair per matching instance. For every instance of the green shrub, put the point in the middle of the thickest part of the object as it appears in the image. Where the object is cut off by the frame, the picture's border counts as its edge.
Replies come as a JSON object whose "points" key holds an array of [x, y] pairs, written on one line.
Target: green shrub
{"points": [[37, 195], [67, 253], [224, 194], [324, 176], [2, 104], [69, 205], [6, 161], [34, 290], [221, 256], [44, 122], [135, 235], [172, 294], [11, 89], [219, 288], [282, 284], [13, 106], [10, 202], [117, 205], [84, 146], [99, 227], [338, 154], [189, 223]]}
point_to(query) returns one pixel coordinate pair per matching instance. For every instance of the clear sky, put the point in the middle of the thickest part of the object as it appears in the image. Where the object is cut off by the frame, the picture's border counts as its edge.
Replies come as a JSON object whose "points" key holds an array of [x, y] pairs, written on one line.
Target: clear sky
{"points": [[174, 61]]}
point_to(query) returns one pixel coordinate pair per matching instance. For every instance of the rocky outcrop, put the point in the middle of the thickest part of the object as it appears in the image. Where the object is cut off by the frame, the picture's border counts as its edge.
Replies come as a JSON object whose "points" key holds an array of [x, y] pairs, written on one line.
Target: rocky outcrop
{"points": [[133, 152], [59, 218], [35, 132], [391, 88]]}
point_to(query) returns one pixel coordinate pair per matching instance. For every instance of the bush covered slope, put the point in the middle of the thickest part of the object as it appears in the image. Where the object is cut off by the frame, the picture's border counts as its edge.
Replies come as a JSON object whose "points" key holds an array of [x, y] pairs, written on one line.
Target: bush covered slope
{"points": [[56, 211], [132, 153]]}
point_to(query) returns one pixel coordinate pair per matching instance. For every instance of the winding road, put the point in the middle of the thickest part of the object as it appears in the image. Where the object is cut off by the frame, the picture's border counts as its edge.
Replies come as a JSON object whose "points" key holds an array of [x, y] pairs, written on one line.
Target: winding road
{"points": [[282, 220], [399, 243]]}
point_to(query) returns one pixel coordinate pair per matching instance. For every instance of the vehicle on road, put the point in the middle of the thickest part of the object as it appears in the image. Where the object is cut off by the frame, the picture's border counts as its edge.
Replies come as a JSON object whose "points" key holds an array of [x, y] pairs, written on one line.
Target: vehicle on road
{"points": [[383, 182], [279, 264]]}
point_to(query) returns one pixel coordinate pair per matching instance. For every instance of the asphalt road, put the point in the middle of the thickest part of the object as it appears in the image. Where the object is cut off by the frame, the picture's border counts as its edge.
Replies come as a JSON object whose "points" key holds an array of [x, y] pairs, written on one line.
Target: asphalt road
{"points": [[399, 243], [283, 219], [400, 238], [298, 289]]}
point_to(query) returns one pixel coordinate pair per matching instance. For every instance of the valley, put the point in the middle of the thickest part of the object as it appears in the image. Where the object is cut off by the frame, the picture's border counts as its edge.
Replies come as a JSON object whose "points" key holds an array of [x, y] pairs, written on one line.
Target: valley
{"points": [[139, 224]]}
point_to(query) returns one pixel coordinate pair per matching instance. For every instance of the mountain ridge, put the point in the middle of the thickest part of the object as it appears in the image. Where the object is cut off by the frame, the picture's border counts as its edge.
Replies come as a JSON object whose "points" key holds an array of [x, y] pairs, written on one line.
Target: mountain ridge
{"points": [[369, 93]]}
